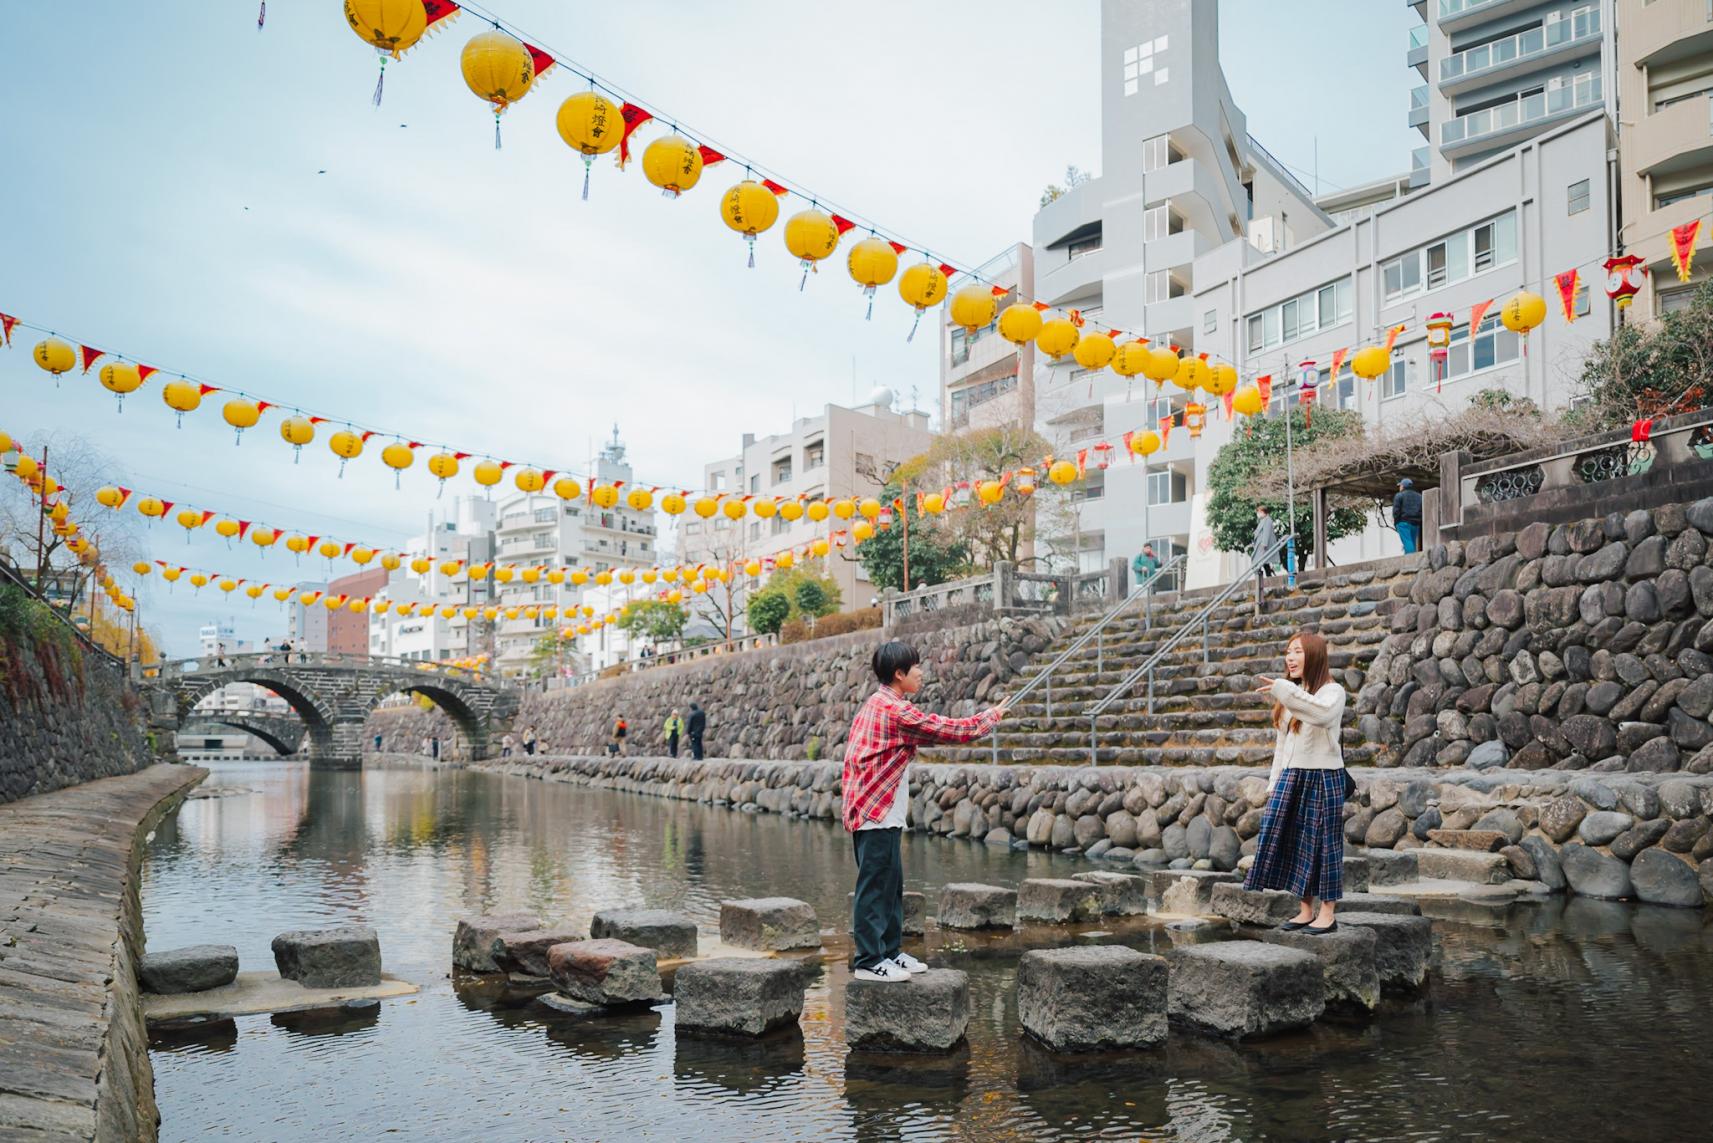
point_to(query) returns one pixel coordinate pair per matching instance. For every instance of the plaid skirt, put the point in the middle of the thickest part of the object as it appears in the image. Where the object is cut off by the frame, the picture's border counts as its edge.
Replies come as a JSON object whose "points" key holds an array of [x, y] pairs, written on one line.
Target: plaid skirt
{"points": [[1301, 846]]}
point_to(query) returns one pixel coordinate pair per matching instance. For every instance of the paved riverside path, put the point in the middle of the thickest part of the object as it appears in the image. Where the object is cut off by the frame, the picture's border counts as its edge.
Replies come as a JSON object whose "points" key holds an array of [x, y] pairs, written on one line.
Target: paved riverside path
{"points": [[74, 1058]]}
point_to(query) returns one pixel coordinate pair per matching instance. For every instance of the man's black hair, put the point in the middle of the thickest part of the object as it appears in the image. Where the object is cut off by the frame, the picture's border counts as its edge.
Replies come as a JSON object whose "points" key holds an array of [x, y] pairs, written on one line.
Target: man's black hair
{"points": [[894, 659]]}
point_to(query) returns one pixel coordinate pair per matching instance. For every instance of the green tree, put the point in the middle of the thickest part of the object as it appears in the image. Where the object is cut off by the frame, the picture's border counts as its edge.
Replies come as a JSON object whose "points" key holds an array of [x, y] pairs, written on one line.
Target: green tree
{"points": [[933, 558], [790, 581], [1653, 370], [811, 599], [549, 651], [653, 619], [768, 611], [1259, 448], [987, 533]]}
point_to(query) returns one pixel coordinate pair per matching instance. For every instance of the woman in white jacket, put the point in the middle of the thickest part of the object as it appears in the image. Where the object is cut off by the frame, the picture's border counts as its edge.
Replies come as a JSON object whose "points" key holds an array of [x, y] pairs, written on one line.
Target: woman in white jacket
{"points": [[1301, 846]]}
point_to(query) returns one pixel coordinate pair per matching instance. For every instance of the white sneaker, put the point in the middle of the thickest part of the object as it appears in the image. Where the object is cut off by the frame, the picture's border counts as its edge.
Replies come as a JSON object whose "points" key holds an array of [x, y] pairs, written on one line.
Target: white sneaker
{"points": [[909, 963], [886, 972]]}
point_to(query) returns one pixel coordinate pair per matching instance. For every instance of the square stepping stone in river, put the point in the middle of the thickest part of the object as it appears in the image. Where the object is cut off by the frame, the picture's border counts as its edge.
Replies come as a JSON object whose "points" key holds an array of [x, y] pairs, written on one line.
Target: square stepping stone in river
{"points": [[740, 996], [1347, 963], [606, 972], [915, 911], [1255, 906], [1057, 899], [525, 953], [1187, 891], [969, 905], [671, 935], [195, 968], [1401, 949], [1377, 903], [1121, 894], [1088, 999], [928, 1013], [347, 956], [769, 924], [1244, 989], [473, 939]]}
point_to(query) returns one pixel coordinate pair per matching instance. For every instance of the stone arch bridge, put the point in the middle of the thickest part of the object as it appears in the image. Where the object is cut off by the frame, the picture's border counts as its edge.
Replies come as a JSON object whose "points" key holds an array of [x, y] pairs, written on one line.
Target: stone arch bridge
{"points": [[283, 732], [333, 694]]}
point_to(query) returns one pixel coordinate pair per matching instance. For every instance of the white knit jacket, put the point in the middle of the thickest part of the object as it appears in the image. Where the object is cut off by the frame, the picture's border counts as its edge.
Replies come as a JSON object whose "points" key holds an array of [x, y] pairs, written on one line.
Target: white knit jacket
{"points": [[1315, 746]]}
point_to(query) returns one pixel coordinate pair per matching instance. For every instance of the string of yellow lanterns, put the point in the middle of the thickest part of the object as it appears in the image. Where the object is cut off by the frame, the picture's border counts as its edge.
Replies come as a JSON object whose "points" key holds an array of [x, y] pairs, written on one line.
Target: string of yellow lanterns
{"points": [[56, 508]]}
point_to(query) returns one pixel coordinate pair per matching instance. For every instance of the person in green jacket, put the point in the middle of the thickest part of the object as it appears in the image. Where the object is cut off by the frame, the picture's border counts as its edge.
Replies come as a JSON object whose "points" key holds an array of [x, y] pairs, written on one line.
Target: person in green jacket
{"points": [[674, 730], [1145, 563]]}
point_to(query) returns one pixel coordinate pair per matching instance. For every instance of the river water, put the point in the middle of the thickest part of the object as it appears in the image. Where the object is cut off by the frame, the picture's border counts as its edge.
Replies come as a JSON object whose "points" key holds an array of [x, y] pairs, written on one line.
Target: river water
{"points": [[1577, 1019]]}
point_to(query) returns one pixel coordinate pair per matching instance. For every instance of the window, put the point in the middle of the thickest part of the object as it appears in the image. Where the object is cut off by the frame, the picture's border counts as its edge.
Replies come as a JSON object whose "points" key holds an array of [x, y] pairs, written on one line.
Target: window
{"points": [[1083, 248], [1493, 345], [1576, 198], [1341, 395], [780, 524], [755, 530], [1396, 382], [1300, 316], [1452, 259], [814, 456], [1158, 287], [1167, 487], [782, 470], [1156, 153], [717, 481], [755, 484], [1209, 322], [1675, 301], [1158, 408], [1139, 61], [1156, 222]]}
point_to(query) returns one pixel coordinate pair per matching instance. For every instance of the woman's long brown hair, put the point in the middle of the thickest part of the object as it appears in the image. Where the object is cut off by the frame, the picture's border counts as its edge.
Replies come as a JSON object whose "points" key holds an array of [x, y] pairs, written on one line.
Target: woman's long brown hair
{"points": [[1316, 674]]}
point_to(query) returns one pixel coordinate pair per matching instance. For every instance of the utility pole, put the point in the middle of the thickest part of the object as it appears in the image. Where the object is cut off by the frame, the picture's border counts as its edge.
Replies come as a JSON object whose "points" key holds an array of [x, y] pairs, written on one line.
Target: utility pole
{"points": [[41, 523]]}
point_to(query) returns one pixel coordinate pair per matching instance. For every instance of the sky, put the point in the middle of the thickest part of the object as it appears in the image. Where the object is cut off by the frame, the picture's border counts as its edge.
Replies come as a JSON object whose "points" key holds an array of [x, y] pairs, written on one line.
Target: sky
{"points": [[226, 202]]}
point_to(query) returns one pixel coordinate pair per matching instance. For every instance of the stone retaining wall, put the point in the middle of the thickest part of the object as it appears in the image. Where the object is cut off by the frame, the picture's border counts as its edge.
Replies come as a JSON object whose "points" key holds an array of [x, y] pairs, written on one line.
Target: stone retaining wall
{"points": [[1584, 646], [74, 1059], [67, 714], [778, 702], [1593, 829]]}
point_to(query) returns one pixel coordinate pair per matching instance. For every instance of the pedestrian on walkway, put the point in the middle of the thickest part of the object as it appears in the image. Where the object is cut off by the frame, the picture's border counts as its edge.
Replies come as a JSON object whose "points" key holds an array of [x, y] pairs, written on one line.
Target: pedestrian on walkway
{"points": [[377, 744], [1407, 515], [1266, 535], [698, 727], [1301, 844], [674, 728], [883, 740], [424, 750], [621, 731], [220, 654], [529, 740], [1145, 564], [506, 744], [434, 747]]}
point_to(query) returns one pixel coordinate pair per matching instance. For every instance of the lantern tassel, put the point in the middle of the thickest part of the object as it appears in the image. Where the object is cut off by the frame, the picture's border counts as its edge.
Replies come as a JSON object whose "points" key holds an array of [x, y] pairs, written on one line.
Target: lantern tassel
{"points": [[750, 240], [805, 281], [297, 454], [586, 164], [496, 130], [913, 326], [441, 491], [262, 15], [381, 82], [870, 315]]}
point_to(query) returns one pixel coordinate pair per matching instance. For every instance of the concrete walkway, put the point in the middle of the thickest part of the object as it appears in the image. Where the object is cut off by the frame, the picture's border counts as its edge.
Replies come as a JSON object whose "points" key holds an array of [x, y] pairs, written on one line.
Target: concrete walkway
{"points": [[74, 1060]]}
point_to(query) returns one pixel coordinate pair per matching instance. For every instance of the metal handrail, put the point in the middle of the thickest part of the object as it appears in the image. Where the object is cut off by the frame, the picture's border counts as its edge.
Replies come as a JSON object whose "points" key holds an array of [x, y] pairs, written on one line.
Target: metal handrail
{"points": [[1164, 649], [1145, 589]]}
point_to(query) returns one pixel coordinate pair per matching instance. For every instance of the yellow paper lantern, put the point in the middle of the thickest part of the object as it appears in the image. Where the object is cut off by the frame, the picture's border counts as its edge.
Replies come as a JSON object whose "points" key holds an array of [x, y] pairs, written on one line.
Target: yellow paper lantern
{"points": [[448, 612], [567, 489], [330, 549], [421, 564], [226, 528], [149, 506], [752, 568], [263, 537], [791, 511], [673, 504], [749, 208], [811, 237], [1095, 352], [488, 473], [579, 578], [1062, 472], [820, 547], [605, 496], [361, 556], [109, 497], [141, 568], [921, 286], [974, 306], [345, 445], [766, 509], [674, 596], [1523, 312], [59, 512], [1130, 358], [227, 585], [990, 492], [591, 124], [479, 572], [390, 562], [870, 508], [734, 509], [1369, 363], [391, 27], [1161, 365], [55, 356], [872, 263], [817, 510], [498, 68], [504, 573], [529, 480], [26, 467], [530, 575], [1222, 379], [120, 377], [171, 574], [297, 432], [382, 606], [308, 598], [672, 163], [934, 503], [649, 575], [844, 508], [181, 397], [398, 456], [1145, 443], [640, 499], [1019, 323], [241, 415], [254, 591], [451, 567], [1247, 401], [862, 530], [198, 580], [603, 578], [784, 560], [297, 544], [1057, 338]]}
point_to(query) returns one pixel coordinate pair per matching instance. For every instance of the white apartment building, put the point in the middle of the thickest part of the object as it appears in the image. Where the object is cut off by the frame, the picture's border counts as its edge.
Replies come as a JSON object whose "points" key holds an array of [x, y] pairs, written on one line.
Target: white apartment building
{"points": [[841, 452], [985, 381], [463, 530]]}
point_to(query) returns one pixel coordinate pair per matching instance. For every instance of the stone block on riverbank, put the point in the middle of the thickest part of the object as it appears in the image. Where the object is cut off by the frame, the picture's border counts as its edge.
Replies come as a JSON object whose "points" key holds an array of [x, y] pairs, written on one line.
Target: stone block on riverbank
{"points": [[1462, 865], [741, 996], [915, 911], [347, 956], [1188, 891], [1244, 989], [1356, 874], [1254, 906], [195, 968], [671, 935], [1401, 949], [1121, 894], [605, 972], [969, 905], [769, 924], [1377, 903], [525, 952], [1057, 899], [928, 1013], [473, 939], [1390, 867], [1090, 999], [1347, 961]]}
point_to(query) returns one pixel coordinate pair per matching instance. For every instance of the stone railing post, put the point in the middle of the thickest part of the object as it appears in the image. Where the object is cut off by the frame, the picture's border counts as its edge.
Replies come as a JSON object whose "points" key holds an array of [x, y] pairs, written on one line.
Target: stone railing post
{"points": [[1004, 585], [1118, 586], [1450, 490]]}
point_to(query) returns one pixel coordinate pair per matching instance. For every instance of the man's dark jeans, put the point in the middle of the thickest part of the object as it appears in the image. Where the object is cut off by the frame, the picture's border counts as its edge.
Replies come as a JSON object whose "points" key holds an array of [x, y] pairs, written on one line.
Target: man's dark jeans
{"points": [[877, 915], [695, 746]]}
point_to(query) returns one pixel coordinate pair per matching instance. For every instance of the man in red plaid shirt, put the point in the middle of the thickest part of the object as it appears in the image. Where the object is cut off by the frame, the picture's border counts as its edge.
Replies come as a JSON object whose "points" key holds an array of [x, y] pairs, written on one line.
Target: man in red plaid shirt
{"points": [[883, 742]]}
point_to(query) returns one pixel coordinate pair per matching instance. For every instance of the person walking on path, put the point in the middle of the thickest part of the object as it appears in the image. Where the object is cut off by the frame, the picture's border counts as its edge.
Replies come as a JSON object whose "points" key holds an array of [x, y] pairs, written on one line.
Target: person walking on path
{"points": [[674, 729], [1145, 564], [621, 730], [529, 740], [434, 747], [1266, 535], [883, 740], [1407, 515], [1301, 844], [698, 727], [506, 743]]}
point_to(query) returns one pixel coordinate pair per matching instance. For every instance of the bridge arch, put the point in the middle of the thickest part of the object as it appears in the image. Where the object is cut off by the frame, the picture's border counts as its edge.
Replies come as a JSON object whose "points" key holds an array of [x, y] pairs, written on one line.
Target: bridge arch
{"points": [[282, 747], [471, 727], [318, 712]]}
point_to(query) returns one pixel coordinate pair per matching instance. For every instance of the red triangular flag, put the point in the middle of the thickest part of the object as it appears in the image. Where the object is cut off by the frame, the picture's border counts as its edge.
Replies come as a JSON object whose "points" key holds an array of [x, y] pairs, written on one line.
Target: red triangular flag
{"points": [[774, 187], [1166, 429], [207, 515], [948, 270], [1041, 307], [1392, 336], [897, 247], [243, 526], [1567, 284], [348, 546], [460, 456], [1082, 463], [710, 156], [124, 495], [205, 390], [634, 117], [842, 224], [1683, 247], [90, 355], [1226, 400], [263, 406], [1127, 439], [1001, 291], [1264, 383], [7, 321], [438, 10], [1337, 363], [166, 506], [543, 62], [1478, 313]]}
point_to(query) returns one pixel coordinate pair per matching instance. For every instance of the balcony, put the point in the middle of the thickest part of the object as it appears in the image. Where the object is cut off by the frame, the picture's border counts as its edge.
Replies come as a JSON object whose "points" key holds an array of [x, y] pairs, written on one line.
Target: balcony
{"points": [[1065, 281], [1512, 121], [1419, 109], [1172, 251], [1421, 167], [1677, 137], [1416, 55], [1522, 53], [1455, 15], [1651, 29]]}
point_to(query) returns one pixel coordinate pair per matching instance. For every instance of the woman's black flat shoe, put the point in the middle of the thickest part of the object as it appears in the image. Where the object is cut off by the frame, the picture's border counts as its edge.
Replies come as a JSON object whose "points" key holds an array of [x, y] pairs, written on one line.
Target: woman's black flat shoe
{"points": [[1293, 926], [1332, 928]]}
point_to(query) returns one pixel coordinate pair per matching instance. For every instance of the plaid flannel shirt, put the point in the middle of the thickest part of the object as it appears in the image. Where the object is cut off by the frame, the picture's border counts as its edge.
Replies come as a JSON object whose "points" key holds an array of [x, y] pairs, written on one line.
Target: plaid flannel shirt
{"points": [[884, 737]]}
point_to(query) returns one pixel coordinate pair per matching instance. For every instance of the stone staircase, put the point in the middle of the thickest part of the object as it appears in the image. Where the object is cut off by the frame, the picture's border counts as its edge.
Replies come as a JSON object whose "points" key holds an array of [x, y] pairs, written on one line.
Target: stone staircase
{"points": [[1203, 711]]}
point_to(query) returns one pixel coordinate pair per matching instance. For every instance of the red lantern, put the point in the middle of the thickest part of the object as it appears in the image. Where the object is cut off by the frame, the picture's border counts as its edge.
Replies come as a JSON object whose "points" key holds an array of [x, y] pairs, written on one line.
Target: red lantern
{"points": [[1624, 278], [1195, 418], [884, 519], [1439, 344], [1103, 455]]}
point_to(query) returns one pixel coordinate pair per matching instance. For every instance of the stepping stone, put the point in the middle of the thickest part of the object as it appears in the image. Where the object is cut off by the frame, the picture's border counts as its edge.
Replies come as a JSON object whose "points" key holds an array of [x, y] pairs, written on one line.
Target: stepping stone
{"points": [[968, 905], [670, 935], [1377, 903], [927, 1013], [769, 924], [740, 996], [473, 939], [1356, 874], [1088, 999], [525, 953], [1121, 894], [1347, 961], [1391, 866], [1462, 865], [1188, 891], [1255, 906], [915, 911], [1057, 899], [1401, 949], [1244, 989], [195, 968], [348, 956], [1479, 840], [604, 971]]}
